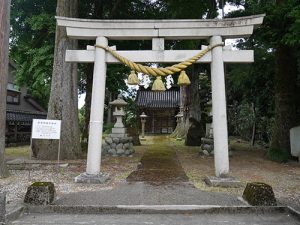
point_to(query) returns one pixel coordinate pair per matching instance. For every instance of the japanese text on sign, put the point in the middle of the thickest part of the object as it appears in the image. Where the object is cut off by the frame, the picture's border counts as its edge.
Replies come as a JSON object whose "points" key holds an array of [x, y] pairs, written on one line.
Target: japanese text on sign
{"points": [[45, 129]]}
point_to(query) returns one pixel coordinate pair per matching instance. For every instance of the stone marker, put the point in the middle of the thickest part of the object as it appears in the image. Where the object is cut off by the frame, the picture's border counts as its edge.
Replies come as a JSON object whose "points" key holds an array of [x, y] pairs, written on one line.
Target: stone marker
{"points": [[259, 194], [2, 207], [295, 141], [40, 193]]}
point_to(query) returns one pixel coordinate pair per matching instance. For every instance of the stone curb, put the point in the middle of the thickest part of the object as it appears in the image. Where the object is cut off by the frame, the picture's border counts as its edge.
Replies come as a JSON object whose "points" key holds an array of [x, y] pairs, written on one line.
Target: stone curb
{"points": [[160, 209], [294, 212], [15, 213]]}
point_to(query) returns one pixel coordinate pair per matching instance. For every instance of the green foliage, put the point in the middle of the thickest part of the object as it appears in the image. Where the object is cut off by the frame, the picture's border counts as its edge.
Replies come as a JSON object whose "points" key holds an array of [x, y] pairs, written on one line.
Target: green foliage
{"points": [[278, 155], [241, 120], [131, 117], [205, 97], [32, 45], [107, 128], [252, 84]]}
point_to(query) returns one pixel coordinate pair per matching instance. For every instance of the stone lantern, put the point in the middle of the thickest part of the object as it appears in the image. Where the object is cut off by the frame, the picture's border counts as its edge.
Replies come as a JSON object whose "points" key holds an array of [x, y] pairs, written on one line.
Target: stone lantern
{"points": [[143, 117], [207, 142], [118, 130], [117, 143], [179, 117]]}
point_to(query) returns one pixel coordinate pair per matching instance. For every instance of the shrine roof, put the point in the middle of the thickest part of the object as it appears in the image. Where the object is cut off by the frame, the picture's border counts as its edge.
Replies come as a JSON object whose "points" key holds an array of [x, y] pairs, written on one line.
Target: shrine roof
{"points": [[23, 117], [154, 99]]}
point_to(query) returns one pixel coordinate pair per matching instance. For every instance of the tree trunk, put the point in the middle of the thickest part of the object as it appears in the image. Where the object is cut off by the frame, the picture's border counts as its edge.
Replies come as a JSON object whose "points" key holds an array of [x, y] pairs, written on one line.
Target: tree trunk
{"points": [[4, 36], [285, 92], [195, 131], [88, 98], [254, 124], [194, 94], [63, 103]]}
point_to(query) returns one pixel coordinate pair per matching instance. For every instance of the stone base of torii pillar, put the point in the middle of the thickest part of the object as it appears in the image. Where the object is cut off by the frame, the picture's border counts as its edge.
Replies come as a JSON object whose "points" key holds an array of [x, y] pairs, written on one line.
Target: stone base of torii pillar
{"points": [[92, 178]]}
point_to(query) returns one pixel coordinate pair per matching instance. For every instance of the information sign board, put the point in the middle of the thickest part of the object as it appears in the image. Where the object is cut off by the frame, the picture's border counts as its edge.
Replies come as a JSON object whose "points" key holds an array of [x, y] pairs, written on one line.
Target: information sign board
{"points": [[45, 129]]}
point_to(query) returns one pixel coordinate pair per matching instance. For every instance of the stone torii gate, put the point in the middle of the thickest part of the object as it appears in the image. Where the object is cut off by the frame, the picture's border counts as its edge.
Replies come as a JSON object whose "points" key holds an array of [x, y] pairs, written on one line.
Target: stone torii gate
{"points": [[214, 30]]}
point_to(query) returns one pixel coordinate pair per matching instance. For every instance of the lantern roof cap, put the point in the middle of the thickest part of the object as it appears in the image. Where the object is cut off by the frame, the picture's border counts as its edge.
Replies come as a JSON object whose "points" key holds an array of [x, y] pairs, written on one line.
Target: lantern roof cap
{"points": [[143, 115], [119, 101]]}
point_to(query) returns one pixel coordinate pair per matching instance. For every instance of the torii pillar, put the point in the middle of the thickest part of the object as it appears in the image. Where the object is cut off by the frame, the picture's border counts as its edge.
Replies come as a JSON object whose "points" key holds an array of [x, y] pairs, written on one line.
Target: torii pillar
{"points": [[157, 31], [219, 109]]}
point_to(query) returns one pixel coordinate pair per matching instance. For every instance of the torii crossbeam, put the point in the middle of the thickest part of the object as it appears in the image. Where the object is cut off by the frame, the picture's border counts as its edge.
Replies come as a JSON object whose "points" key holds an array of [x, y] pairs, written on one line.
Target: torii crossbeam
{"points": [[158, 30]]}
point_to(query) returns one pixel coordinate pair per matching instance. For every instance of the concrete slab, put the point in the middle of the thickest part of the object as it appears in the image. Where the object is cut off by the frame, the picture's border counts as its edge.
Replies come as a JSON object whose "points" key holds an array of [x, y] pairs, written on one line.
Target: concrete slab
{"points": [[159, 219], [145, 194]]}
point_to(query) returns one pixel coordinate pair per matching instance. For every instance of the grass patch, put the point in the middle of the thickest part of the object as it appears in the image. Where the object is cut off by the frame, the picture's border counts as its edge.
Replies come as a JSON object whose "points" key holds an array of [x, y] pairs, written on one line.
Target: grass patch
{"points": [[20, 151]]}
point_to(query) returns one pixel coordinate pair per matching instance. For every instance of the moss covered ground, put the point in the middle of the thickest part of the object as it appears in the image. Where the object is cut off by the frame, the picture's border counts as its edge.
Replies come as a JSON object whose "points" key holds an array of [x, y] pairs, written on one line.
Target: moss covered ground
{"points": [[159, 165]]}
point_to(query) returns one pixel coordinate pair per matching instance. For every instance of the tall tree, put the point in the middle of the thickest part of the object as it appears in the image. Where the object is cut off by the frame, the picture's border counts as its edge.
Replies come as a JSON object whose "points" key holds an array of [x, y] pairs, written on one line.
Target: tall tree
{"points": [[279, 36], [32, 45], [285, 81], [4, 37], [63, 98], [116, 74]]}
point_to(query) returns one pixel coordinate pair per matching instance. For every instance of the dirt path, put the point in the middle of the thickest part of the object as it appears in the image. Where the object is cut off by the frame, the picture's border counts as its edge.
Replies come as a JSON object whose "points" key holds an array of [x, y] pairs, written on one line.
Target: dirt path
{"points": [[159, 165]]}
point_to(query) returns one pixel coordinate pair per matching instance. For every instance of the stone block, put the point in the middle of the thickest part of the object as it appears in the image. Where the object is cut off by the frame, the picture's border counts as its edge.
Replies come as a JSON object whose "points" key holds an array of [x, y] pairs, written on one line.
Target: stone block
{"points": [[2, 207], [126, 146], [227, 182], [119, 146], [120, 151], [92, 178], [108, 140], [112, 151], [104, 144], [205, 152], [295, 141], [127, 152], [207, 147], [40, 193], [118, 130], [116, 140], [259, 194], [209, 141], [105, 148], [117, 135], [113, 145], [124, 140]]}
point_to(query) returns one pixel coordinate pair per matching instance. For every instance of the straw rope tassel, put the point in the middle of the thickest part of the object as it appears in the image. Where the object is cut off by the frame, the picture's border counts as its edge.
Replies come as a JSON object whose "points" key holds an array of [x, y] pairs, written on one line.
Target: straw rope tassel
{"points": [[133, 79], [183, 79], [158, 84]]}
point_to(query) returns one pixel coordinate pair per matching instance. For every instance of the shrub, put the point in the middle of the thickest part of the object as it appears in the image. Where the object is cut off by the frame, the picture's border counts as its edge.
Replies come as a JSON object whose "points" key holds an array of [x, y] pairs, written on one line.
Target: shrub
{"points": [[278, 155]]}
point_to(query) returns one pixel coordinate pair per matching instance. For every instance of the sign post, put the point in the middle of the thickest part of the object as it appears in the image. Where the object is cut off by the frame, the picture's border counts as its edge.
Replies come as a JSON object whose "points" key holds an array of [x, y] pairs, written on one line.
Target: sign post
{"points": [[46, 129]]}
